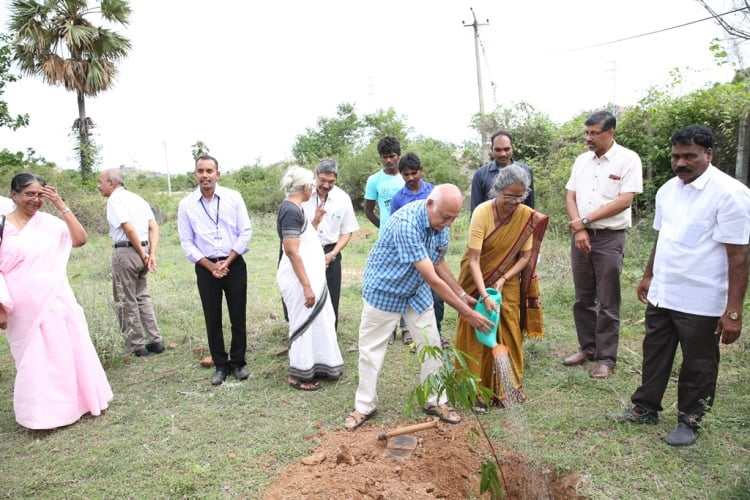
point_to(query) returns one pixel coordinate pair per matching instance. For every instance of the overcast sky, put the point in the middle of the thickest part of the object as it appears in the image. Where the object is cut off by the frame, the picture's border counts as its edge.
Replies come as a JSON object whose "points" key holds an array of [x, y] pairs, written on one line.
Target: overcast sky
{"points": [[248, 77]]}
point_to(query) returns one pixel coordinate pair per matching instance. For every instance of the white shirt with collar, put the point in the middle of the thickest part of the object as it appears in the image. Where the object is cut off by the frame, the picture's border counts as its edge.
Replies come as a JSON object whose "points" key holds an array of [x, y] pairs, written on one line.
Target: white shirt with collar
{"points": [[126, 206], [199, 222], [339, 218], [599, 180], [695, 221]]}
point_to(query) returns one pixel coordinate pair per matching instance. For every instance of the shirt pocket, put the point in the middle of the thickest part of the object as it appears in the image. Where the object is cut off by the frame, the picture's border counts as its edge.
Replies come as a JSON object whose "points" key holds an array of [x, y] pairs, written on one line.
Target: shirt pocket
{"points": [[611, 188], [692, 231]]}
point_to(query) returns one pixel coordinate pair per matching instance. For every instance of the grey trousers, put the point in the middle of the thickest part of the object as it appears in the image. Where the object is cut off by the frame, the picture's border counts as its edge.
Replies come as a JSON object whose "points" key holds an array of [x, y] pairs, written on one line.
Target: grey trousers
{"points": [[596, 277], [133, 300]]}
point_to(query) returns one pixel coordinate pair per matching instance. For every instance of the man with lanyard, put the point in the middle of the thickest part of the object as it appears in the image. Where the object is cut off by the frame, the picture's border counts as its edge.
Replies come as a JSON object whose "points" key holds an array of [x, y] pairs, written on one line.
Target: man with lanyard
{"points": [[136, 236], [215, 230], [331, 212]]}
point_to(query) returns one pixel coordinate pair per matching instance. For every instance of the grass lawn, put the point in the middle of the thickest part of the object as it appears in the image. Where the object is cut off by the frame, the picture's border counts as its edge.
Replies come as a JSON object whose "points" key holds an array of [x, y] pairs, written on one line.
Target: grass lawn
{"points": [[169, 433]]}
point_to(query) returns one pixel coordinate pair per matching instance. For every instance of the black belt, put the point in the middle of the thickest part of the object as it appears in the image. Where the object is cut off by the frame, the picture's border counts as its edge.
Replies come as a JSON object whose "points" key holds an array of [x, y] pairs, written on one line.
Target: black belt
{"points": [[216, 259], [605, 230], [123, 244]]}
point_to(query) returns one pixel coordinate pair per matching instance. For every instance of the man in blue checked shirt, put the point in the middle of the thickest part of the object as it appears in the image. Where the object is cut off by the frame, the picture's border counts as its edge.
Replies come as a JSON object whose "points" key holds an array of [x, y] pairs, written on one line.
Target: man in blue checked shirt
{"points": [[406, 262]]}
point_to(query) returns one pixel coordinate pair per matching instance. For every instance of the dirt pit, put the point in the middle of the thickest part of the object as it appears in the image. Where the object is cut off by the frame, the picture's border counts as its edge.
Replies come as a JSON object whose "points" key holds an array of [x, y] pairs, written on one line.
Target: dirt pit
{"points": [[445, 464]]}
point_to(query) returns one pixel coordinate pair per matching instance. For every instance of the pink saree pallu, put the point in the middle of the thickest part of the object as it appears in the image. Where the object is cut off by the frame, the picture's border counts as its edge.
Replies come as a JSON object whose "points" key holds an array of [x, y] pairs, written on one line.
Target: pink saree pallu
{"points": [[59, 377]]}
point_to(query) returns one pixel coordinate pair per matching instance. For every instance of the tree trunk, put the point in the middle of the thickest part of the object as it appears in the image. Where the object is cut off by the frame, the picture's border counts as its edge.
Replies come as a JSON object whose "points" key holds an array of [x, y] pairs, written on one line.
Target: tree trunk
{"points": [[84, 142]]}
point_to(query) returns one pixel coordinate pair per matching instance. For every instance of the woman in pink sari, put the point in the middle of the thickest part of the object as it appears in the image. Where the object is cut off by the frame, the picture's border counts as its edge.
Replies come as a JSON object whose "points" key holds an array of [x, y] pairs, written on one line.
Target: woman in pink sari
{"points": [[59, 377]]}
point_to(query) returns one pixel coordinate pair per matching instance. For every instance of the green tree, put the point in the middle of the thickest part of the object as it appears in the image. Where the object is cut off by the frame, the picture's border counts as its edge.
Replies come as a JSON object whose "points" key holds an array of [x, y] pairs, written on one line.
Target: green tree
{"points": [[56, 40], [199, 148], [6, 120], [332, 137], [533, 131]]}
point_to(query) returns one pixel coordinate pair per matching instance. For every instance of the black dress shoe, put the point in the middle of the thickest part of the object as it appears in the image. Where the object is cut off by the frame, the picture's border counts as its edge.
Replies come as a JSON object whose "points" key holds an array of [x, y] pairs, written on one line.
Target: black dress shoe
{"points": [[156, 347], [682, 435], [219, 377], [239, 372], [141, 352]]}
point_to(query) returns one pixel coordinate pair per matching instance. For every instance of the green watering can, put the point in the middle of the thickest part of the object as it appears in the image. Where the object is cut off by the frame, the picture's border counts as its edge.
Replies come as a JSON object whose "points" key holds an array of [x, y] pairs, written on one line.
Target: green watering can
{"points": [[489, 339]]}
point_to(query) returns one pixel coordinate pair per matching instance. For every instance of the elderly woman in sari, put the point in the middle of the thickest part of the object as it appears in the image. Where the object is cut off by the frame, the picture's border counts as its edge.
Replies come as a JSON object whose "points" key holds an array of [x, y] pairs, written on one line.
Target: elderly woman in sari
{"points": [[313, 346], [59, 377], [502, 252]]}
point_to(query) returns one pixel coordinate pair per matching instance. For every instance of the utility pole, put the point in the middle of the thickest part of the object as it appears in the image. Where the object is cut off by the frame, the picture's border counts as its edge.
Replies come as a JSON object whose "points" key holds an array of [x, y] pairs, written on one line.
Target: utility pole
{"points": [[483, 133], [166, 163]]}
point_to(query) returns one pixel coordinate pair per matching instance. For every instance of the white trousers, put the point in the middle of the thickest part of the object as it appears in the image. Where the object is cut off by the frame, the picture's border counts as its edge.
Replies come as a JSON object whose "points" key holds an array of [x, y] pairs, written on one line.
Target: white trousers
{"points": [[375, 329]]}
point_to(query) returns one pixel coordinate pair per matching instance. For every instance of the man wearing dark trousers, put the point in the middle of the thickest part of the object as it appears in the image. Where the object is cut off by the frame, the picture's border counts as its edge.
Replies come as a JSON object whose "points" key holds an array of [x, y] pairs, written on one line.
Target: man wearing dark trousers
{"points": [[331, 213], [694, 284], [215, 230], [601, 189]]}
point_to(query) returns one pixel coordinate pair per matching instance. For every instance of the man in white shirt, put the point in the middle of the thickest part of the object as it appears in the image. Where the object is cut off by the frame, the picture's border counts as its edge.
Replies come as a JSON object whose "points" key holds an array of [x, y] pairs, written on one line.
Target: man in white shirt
{"points": [[331, 213], [601, 189], [215, 231], [694, 284], [135, 233]]}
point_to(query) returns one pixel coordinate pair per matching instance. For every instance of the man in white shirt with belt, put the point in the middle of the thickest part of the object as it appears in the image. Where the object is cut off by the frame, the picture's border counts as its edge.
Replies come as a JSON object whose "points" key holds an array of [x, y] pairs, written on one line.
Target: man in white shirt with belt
{"points": [[215, 231], [694, 284], [331, 213], [135, 233], [601, 189]]}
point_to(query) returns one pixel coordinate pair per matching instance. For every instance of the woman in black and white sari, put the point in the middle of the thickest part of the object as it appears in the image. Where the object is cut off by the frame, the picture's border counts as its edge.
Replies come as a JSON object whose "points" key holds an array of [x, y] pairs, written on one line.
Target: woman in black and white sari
{"points": [[313, 346]]}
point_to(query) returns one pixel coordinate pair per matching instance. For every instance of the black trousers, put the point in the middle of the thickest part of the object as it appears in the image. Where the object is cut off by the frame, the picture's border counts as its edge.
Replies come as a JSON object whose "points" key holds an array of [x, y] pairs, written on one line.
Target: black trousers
{"points": [[333, 278], [234, 287], [696, 386]]}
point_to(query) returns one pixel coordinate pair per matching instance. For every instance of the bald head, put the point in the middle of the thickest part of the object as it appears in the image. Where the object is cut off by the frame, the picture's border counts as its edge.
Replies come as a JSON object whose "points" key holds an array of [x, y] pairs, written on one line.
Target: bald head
{"points": [[443, 206]]}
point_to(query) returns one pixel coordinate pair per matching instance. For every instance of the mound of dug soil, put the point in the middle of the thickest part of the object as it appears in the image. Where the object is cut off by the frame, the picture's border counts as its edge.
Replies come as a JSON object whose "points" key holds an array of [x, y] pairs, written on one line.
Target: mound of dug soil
{"points": [[444, 464]]}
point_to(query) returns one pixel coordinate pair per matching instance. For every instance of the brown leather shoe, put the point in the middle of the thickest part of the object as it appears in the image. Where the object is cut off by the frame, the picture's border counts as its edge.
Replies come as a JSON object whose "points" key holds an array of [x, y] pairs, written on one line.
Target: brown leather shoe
{"points": [[578, 358], [601, 371]]}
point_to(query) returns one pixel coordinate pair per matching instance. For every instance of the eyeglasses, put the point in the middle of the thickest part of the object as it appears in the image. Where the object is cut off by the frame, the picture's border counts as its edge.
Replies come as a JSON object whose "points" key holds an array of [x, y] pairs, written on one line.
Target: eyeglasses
{"points": [[593, 133], [515, 199], [29, 195]]}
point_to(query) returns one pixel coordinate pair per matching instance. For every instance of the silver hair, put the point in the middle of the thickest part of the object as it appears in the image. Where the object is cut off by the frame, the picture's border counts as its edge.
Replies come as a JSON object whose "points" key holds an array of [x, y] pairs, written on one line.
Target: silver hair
{"points": [[327, 166], [512, 174], [295, 179]]}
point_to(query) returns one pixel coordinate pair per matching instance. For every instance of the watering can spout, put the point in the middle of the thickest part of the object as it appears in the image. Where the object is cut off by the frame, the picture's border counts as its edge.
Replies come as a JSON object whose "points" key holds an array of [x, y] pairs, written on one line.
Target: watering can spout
{"points": [[499, 351]]}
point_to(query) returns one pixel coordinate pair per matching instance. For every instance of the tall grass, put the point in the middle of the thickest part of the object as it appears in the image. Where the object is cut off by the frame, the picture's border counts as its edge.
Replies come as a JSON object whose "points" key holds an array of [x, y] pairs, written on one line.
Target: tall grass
{"points": [[169, 433]]}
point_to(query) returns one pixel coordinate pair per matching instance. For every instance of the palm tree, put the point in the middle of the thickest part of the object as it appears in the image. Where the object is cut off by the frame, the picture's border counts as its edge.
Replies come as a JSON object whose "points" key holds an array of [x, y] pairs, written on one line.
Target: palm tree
{"points": [[55, 40]]}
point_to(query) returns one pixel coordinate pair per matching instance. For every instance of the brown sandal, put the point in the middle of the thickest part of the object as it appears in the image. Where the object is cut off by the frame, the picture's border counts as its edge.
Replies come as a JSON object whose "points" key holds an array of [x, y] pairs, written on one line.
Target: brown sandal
{"points": [[443, 412]]}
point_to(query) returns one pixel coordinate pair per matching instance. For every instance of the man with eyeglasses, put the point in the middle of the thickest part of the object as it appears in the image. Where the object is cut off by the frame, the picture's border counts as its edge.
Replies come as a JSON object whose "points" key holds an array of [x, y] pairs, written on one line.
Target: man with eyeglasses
{"points": [[331, 213], [601, 189], [484, 178]]}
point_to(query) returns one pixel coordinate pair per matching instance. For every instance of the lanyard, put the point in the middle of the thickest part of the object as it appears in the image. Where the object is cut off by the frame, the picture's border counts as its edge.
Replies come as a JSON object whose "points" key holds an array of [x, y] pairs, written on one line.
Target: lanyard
{"points": [[218, 202]]}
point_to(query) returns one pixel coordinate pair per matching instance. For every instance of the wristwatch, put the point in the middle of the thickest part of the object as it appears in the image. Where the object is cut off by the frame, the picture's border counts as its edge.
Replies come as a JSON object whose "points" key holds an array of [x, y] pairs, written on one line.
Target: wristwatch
{"points": [[585, 221], [733, 315]]}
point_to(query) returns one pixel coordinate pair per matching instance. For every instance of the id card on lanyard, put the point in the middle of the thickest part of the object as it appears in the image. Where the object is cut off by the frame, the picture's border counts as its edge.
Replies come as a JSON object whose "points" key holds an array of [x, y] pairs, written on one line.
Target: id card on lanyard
{"points": [[217, 234]]}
